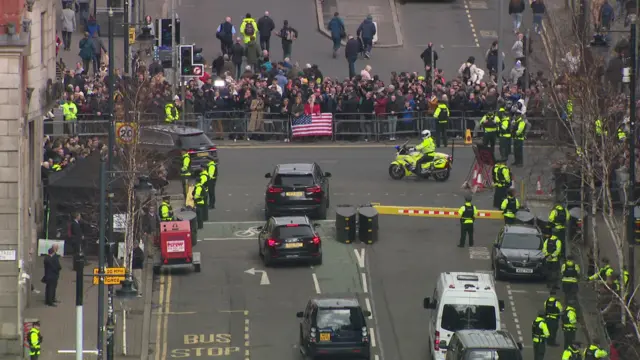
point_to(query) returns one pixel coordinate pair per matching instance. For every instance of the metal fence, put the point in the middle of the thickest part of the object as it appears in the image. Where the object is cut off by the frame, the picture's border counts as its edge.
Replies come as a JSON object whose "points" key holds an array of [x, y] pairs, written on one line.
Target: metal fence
{"points": [[268, 126]]}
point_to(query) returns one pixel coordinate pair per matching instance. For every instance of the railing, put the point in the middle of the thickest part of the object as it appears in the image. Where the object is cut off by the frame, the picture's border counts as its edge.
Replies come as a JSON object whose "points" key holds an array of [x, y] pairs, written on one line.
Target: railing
{"points": [[346, 126]]}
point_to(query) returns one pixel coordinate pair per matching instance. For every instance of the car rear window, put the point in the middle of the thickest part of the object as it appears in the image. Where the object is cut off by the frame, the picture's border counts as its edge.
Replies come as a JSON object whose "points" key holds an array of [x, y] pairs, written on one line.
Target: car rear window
{"points": [[288, 232], [460, 317], [489, 354], [290, 180], [195, 141], [339, 319]]}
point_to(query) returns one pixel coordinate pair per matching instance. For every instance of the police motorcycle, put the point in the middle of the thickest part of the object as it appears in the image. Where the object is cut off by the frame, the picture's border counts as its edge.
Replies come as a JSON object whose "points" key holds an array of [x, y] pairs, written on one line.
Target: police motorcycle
{"points": [[407, 156]]}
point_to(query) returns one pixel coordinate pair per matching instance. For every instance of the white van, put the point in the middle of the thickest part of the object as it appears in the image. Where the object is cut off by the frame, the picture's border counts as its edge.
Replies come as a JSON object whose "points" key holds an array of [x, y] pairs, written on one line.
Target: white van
{"points": [[461, 301]]}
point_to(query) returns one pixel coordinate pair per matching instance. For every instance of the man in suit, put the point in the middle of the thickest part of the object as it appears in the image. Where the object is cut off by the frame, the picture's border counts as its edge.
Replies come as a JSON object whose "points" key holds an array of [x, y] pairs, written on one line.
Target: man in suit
{"points": [[51, 275], [76, 235]]}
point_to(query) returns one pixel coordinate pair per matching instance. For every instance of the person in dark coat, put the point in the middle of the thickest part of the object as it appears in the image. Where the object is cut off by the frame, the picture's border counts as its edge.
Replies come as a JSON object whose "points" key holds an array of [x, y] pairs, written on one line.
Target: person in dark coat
{"points": [[51, 275], [237, 52], [351, 51], [76, 235], [338, 32], [225, 33], [265, 27], [426, 57], [366, 31]]}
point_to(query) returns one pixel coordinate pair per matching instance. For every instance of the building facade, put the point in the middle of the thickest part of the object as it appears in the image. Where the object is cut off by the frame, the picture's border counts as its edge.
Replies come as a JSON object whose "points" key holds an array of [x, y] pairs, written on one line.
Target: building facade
{"points": [[27, 75]]}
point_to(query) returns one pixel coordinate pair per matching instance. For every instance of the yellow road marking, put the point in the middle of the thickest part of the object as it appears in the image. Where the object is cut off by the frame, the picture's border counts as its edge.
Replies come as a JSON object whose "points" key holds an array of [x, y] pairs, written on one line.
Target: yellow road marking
{"points": [[340, 146], [159, 325], [165, 328], [175, 313]]}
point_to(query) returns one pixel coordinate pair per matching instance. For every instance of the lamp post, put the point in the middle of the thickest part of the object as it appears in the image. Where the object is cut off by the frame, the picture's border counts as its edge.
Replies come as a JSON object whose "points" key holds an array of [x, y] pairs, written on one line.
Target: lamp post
{"points": [[500, 59], [127, 24], [631, 243]]}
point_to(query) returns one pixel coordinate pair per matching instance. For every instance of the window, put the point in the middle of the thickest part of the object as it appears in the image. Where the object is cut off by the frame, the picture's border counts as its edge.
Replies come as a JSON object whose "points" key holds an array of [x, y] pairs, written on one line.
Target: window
{"points": [[195, 141], [490, 354], [522, 241], [290, 180], [43, 38], [336, 319], [284, 232], [461, 317]]}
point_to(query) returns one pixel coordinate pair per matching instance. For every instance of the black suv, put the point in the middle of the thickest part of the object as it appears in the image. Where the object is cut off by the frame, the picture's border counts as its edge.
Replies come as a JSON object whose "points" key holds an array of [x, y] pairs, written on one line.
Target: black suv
{"points": [[290, 238], [482, 344], [167, 142], [517, 252], [297, 189], [334, 327]]}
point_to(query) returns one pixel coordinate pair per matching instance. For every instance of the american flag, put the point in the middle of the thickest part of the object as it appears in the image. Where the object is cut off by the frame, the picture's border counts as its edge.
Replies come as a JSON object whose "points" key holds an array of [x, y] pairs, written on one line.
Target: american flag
{"points": [[312, 125]]}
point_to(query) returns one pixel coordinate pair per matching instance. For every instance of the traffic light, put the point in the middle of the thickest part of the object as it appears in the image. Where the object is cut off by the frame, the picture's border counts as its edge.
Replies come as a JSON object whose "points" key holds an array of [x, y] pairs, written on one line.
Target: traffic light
{"points": [[189, 65], [197, 55], [164, 40]]}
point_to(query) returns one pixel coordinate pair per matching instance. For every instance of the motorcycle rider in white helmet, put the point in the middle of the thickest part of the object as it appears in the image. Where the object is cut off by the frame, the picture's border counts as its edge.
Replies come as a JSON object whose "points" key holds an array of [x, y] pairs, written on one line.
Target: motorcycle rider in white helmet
{"points": [[427, 147]]}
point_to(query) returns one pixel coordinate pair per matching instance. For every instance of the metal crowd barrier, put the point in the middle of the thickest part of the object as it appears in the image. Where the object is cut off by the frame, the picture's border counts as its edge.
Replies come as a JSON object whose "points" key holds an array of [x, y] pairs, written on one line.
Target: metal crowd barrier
{"points": [[238, 125]]}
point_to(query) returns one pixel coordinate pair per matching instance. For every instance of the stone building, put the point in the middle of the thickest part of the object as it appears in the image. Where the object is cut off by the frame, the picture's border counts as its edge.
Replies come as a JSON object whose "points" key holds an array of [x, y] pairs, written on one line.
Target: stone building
{"points": [[27, 75]]}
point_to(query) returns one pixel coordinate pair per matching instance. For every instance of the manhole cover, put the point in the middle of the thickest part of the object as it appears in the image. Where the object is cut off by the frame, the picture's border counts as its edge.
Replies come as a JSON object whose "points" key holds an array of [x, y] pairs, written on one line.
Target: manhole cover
{"points": [[478, 5], [489, 34]]}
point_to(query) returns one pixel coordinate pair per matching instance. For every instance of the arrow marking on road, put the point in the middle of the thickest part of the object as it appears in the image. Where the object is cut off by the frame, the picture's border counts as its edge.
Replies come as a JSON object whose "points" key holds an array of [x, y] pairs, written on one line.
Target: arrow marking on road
{"points": [[360, 257], [264, 278]]}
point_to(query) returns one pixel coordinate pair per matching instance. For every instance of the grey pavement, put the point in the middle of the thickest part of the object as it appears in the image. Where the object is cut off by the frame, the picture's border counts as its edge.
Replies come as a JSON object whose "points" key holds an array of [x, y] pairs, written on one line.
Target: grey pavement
{"points": [[58, 323], [207, 314], [353, 12]]}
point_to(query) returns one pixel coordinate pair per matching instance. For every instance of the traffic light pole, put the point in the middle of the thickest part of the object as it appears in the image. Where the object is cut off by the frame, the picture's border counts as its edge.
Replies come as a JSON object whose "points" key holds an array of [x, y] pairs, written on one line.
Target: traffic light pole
{"points": [[632, 155], [127, 24], [174, 50]]}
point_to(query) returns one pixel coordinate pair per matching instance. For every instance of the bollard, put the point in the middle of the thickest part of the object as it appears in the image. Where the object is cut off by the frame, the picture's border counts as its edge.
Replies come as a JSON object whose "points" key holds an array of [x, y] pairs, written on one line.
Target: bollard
{"points": [[368, 225], [346, 224], [189, 215]]}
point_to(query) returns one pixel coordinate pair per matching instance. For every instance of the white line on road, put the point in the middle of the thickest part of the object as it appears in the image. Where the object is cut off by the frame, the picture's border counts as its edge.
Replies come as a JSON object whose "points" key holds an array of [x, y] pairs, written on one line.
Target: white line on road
{"points": [[365, 287], [376, 357], [542, 292], [247, 334], [316, 284], [360, 257], [367, 304], [516, 320], [95, 352], [372, 334], [519, 291], [227, 239]]}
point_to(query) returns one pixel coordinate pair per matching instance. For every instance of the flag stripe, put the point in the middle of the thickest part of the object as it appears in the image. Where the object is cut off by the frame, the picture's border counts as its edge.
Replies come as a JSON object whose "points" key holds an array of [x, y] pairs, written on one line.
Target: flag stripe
{"points": [[312, 125]]}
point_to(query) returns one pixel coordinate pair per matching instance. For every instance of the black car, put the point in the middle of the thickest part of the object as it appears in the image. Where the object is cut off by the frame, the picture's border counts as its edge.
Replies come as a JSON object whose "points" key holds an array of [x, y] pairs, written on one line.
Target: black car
{"points": [[334, 327], [167, 142], [289, 238], [517, 252], [297, 189], [482, 344]]}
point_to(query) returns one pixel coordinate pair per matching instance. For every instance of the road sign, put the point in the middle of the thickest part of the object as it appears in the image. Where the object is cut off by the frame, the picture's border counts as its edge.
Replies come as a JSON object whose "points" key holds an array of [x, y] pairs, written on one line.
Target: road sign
{"points": [[132, 35], [125, 132], [114, 276], [197, 70]]}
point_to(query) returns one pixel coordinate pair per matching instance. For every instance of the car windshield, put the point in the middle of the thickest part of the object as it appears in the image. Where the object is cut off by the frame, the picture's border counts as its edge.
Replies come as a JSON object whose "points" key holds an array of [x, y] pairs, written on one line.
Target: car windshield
{"points": [[335, 319], [290, 180], [522, 241], [195, 141], [461, 317], [489, 354], [288, 232]]}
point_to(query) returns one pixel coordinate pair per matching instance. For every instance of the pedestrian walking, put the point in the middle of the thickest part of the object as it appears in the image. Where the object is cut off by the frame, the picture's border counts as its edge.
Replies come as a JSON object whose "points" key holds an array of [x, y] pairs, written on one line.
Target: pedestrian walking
{"points": [[468, 213], [570, 272], [212, 171], [288, 35], [34, 339], [338, 32], [366, 31], [501, 182], [237, 54], [51, 276], [265, 27], [553, 309], [225, 33], [430, 59], [252, 53], [351, 51], [551, 250], [98, 50], [538, 9], [539, 334], [86, 52], [516, 8], [518, 48], [569, 325], [76, 235], [137, 264], [248, 28], [510, 206], [185, 171], [68, 18]]}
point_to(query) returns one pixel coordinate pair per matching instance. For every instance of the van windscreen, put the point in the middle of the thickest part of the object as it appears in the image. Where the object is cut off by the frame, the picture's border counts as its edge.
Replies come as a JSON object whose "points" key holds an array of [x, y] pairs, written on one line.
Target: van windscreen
{"points": [[460, 317], [490, 354]]}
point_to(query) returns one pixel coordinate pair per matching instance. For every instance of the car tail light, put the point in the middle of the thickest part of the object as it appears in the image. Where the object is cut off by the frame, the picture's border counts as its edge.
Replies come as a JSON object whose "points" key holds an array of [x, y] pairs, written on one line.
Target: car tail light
{"points": [[312, 335], [274, 190], [314, 190], [316, 240], [272, 243], [292, 225], [436, 342], [213, 148], [192, 151]]}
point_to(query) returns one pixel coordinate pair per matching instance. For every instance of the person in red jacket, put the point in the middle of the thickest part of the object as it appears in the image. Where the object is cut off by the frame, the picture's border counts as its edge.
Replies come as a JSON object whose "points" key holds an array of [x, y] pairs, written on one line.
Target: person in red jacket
{"points": [[311, 107], [613, 351]]}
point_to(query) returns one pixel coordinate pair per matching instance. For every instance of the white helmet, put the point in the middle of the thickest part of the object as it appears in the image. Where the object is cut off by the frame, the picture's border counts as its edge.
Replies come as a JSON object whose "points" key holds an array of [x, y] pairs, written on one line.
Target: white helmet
{"points": [[426, 134]]}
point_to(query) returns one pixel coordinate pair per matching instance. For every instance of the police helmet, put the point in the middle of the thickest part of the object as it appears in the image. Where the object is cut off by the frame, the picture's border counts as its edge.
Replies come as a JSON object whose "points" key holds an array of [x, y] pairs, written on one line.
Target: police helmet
{"points": [[467, 198], [426, 134], [166, 198]]}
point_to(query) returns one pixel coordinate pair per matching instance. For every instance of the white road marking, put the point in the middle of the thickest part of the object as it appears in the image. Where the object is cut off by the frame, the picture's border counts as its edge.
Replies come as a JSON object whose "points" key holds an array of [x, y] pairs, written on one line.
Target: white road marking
{"points": [[484, 271], [247, 335], [376, 357], [479, 253], [514, 313], [473, 28], [226, 239], [365, 288], [316, 284], [360, 257], [542, 292], [95, 352], [367, 304], [372, 334], [519, 291]]}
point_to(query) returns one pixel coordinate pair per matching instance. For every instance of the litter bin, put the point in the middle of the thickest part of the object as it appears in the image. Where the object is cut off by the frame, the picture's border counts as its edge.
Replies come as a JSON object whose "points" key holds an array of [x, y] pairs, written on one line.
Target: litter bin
{"points": [[368, 224], [346, 224], [189, 215]]}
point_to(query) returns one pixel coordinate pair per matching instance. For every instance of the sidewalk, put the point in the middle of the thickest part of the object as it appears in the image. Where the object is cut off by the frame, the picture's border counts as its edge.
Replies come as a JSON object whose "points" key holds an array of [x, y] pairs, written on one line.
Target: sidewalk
{"points": [[58, 323]]}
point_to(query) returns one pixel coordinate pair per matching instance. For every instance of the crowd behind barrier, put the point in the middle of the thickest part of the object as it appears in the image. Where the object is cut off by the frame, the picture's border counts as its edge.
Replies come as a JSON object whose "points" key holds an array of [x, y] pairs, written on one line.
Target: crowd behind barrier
{"points": [[230, 125]]}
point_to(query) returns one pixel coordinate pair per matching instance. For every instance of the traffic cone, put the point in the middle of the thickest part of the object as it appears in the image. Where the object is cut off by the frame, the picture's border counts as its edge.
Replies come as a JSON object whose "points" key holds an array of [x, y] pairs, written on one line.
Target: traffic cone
{"points": [[478, 185], [539, 187], [467, 137]]}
